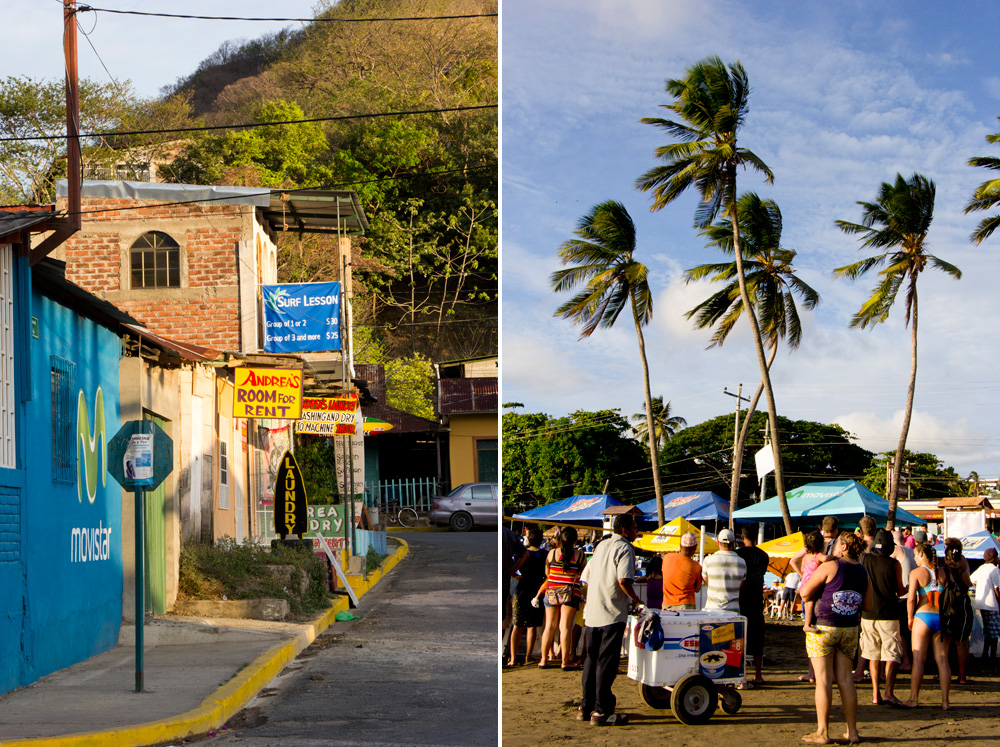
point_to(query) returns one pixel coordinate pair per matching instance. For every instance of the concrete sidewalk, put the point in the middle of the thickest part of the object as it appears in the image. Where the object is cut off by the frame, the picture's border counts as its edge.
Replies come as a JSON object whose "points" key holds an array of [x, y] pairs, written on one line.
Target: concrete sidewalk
{"points": [[198, 673]]}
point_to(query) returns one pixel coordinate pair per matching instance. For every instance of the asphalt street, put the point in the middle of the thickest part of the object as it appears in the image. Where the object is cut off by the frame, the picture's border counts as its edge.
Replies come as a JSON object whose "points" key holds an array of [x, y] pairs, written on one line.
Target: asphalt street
{"points": [[418, 668]]}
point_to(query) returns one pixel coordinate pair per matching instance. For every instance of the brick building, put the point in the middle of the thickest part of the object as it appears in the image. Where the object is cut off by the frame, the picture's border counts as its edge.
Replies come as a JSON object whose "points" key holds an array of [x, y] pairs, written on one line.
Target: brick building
{"points": [[188, 260]]}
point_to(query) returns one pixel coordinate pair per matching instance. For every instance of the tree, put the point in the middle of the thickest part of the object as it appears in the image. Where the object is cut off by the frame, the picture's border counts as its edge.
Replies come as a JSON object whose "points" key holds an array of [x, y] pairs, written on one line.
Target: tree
{"points": [[929, 478], [601, 259], [32, 108], [895, 224], [711, 104], [987, 194], [546, 459], [665, 425], [277, 156], [409, 380], [772, 285], [810, 452]]}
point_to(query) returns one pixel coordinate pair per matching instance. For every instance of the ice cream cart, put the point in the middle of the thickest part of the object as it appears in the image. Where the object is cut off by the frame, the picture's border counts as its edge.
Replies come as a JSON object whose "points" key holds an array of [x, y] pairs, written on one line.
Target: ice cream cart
{"points": [[702, 660]]}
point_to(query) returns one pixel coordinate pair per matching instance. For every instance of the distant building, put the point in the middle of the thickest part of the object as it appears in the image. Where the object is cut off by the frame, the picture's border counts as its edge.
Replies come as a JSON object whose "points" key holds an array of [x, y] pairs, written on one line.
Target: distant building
{"points": [[467, 402]]}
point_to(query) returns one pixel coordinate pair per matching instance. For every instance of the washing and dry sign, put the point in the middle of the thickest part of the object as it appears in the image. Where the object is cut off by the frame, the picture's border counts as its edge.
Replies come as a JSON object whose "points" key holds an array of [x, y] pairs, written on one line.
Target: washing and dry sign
{"points": [[291, 507], [267, 393], [329, 416]]}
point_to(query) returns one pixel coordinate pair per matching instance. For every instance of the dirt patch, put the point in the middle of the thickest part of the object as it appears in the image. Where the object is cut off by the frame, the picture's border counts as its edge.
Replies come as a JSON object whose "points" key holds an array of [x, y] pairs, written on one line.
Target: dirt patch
{"points": [[539, 708]]}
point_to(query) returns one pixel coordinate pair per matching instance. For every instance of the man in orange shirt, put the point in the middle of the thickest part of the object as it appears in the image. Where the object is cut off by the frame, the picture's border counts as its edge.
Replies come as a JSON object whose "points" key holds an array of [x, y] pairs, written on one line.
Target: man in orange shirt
{"points": [[681, 576]]}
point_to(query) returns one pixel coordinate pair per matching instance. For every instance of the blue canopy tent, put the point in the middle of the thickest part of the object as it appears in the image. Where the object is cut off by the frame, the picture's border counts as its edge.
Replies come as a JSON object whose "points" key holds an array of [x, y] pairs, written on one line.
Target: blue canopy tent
{"points": [[699, 506], [577, 509], [974, 546], [846, 499]]}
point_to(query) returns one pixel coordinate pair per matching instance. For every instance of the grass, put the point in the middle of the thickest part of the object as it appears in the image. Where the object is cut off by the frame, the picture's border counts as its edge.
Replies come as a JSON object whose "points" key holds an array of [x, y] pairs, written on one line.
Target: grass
{"points": [[229, 570]]}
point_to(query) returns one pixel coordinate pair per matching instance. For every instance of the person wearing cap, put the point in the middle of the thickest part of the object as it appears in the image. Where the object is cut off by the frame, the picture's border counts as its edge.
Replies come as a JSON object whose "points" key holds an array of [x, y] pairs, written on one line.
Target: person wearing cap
{"points": [[987, 581], [880, 637], [919, 537], [681, 576], [724, 573], [752, 602]]}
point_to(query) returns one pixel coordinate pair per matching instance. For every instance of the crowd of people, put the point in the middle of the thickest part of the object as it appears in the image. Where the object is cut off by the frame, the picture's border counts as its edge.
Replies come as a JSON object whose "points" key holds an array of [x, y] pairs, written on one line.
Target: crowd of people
{"points": [[871, 600]]}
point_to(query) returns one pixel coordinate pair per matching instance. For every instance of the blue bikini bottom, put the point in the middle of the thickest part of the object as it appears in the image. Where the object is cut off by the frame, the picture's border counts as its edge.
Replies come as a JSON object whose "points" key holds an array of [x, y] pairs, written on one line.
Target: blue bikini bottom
{"points": [[931, 619]]}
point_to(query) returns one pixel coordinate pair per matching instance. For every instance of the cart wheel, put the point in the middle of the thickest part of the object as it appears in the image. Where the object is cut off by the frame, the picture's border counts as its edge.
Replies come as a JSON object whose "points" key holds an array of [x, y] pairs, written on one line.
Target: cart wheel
{"points": [[694, 699], [656, 697], [732, 701]]}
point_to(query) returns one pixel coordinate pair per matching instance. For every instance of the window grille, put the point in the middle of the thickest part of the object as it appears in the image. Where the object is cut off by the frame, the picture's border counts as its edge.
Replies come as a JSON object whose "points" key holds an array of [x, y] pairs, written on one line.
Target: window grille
{"points": [[63, 419], [155, 261], [224, 465]]}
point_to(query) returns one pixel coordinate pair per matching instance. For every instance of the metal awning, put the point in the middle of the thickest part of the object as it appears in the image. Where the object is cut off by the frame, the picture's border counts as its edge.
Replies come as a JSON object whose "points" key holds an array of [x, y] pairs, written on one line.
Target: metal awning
{"points": [[316, 211]]}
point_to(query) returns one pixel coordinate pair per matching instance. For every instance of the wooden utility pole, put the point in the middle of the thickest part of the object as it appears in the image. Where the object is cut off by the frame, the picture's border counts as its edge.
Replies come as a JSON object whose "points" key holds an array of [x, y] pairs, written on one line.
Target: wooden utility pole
{"points": [[734, 488]]}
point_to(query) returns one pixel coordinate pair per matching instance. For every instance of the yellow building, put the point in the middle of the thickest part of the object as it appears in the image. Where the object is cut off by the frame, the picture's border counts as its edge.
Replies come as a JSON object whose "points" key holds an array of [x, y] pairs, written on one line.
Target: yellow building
{"points": [[468, 405]]}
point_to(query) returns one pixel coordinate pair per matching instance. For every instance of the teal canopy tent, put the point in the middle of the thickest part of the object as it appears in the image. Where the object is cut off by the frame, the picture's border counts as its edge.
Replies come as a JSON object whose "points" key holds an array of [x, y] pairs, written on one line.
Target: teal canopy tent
{"points": [[846, 499]]}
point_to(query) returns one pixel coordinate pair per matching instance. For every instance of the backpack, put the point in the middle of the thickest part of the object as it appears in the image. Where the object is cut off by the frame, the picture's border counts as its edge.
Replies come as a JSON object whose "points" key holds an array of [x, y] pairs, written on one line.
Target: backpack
{"points": [[649, 632]]}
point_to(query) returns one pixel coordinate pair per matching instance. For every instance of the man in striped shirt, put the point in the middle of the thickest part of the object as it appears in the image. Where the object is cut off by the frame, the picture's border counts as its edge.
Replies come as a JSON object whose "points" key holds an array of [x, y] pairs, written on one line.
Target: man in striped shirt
{"points": [[724, 573]]}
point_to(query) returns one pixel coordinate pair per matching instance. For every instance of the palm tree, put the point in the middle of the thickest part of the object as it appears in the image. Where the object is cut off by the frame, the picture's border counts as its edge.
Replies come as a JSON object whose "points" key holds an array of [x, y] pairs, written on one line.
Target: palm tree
{"points": [[601, 260], [987, 195], [896, 225], [711, 102], [772, 285], [665, 425]]}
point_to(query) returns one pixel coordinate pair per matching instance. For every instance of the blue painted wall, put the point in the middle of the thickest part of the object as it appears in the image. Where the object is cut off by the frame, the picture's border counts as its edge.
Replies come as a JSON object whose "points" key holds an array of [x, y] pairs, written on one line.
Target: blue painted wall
{"points": [[71, 586]]}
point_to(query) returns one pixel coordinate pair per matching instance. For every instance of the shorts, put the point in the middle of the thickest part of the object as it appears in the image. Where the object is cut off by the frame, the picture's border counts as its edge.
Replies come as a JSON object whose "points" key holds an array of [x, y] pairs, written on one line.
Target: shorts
{"points": [[787, 595], [829, 639], [556, 597], [991, 624], [880, 640]]}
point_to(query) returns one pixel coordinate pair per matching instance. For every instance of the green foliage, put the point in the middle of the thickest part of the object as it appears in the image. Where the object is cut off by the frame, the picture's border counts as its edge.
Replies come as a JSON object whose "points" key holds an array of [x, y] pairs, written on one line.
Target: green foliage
{"points": [[279, 156], [373, 559], [930, 479], [987, 194], [409, 379], [31, 107], [238, 572], [315, 457], [810, 452], [546, 459]]}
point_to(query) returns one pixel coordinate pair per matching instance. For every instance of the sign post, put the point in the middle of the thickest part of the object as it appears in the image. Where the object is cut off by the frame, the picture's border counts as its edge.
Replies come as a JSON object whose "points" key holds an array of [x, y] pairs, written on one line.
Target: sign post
{"points": [[140, 456]]}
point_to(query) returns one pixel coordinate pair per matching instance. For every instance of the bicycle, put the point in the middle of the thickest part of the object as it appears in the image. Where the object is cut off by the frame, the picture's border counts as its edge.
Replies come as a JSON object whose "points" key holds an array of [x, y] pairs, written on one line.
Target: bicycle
{"points": [[402, 515]]}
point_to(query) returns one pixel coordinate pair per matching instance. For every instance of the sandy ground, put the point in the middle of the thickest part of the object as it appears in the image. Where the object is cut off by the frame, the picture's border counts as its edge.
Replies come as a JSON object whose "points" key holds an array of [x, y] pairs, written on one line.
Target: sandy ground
{"points": [[539, 708]]}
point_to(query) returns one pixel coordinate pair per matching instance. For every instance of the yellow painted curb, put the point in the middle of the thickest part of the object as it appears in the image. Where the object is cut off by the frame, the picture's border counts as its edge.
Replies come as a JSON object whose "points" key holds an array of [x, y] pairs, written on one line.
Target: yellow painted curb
{"points": [[227, 701]]}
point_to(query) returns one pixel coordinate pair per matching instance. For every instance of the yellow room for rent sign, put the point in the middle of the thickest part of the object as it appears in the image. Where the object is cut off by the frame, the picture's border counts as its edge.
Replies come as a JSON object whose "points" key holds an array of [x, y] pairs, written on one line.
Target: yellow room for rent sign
{"points": [[267, 393]]}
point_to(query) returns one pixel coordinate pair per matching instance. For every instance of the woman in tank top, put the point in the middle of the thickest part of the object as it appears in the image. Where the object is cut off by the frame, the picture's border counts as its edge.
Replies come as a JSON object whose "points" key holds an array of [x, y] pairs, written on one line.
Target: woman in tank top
{"points": [[923, 603], [841, 590], [563, 596]]}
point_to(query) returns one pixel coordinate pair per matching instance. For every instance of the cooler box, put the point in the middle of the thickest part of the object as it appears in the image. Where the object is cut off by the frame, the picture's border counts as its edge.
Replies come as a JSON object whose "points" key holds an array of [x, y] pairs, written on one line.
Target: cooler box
{"points": [[708, 642]]}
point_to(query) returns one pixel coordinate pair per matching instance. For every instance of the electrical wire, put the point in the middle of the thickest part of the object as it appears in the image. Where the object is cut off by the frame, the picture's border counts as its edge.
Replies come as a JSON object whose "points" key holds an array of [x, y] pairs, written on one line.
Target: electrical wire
{"points": [[247, 125], [90, 8]]}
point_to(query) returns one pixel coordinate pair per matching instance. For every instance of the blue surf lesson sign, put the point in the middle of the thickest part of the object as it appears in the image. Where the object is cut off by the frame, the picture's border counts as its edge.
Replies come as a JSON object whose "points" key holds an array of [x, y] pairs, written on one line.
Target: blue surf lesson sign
{"points": [[301, 317]]}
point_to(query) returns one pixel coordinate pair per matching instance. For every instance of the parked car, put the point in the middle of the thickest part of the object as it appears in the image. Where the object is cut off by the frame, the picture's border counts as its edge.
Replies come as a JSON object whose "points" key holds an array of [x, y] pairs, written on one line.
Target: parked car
{"points": [[468, 505]]}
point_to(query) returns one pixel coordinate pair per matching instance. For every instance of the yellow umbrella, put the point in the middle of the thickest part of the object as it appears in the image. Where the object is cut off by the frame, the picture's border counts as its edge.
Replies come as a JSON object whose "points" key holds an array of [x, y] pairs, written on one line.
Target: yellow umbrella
{"points": [[668, 537], [781, 551]]}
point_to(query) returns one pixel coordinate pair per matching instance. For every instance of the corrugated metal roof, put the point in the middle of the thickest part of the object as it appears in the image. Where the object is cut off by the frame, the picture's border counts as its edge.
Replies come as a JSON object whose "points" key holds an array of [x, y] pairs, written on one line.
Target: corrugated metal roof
{"points": [[458, 396], [15, 221]]}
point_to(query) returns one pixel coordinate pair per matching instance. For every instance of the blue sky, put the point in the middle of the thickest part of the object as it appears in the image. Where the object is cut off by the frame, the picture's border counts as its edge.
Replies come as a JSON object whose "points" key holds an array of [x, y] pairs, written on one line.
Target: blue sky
{"points": [[845, 95], [151, 52]]}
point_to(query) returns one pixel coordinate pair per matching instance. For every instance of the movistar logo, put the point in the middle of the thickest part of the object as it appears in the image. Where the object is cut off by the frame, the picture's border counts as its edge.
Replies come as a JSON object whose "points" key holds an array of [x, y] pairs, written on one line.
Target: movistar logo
{"points": [[275, 299], [88, 444]]}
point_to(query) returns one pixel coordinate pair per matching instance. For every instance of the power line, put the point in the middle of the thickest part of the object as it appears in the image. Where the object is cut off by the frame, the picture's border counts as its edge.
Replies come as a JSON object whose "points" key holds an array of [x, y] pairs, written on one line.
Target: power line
{"points": [[86, 8], [246, 125]]}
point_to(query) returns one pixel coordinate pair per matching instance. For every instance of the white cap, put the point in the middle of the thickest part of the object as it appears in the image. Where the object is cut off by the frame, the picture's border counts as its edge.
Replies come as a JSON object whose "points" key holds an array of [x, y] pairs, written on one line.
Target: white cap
{"points": [[689, 540], [727, 536]]}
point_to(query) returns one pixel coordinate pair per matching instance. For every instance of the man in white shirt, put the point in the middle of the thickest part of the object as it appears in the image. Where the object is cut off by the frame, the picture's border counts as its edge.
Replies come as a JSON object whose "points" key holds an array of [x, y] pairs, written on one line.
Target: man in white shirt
{"points": [[609, 592], [987, 581], [724, 572]]}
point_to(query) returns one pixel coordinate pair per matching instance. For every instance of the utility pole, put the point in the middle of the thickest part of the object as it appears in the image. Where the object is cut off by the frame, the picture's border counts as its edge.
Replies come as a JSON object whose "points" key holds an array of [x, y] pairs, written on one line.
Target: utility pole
{"points": [[734, 488]]}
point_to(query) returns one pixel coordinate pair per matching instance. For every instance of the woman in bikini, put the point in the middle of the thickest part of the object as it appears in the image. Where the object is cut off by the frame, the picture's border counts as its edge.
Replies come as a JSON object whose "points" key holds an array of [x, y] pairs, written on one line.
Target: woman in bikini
{"points": [[563, 568], [925, 623]]}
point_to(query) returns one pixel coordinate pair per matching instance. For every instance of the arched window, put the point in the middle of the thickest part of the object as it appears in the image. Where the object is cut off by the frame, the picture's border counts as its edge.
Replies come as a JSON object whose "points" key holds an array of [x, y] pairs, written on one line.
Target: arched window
{"points": [[155, 261]]}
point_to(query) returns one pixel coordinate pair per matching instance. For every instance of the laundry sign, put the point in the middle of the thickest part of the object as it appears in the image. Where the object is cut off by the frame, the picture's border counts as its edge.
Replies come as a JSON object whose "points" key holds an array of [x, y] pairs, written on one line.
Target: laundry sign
{"points": [[301, 317]]}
